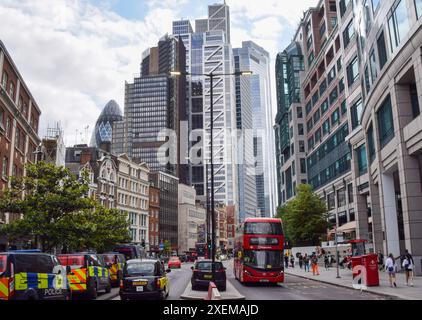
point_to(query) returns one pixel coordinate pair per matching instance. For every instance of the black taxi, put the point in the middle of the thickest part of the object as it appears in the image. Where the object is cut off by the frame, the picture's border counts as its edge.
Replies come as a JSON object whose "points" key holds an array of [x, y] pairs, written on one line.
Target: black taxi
{"points": [[32, 275], [144, 278]]}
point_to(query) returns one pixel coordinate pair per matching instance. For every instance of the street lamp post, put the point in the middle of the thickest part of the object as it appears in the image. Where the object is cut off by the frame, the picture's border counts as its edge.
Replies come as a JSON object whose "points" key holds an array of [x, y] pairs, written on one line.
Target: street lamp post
{"points": [[211, 76], [337, 256]]}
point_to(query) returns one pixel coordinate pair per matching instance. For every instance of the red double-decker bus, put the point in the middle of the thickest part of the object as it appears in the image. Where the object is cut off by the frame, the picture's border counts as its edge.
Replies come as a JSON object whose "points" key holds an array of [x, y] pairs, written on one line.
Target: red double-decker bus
{"points": [[259, 250]]}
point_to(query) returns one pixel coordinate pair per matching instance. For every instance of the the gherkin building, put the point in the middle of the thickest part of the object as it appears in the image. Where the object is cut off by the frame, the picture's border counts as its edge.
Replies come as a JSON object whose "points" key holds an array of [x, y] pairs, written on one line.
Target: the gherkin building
{"points": [[103, 132]]}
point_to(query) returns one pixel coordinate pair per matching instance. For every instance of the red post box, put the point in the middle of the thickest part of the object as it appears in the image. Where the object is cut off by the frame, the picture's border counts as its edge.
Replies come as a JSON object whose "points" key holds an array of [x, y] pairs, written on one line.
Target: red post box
{"points": [[369, 266]]}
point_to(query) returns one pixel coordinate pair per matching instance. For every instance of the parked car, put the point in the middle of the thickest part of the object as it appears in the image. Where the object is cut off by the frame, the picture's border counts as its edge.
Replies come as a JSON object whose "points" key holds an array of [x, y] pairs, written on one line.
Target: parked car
{"points": [[32, 275], [202, 275], [174, 262], [87, 273], [145, 278]]}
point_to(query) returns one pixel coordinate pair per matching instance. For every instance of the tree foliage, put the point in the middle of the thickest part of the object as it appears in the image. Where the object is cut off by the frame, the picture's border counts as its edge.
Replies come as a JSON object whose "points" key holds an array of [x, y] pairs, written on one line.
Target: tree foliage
{"points": [[304, 217], [56, 212]]}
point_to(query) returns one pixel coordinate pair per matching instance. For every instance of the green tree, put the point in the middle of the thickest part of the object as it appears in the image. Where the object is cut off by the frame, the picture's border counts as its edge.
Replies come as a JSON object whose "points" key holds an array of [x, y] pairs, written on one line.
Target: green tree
{"points": [[304, 217], [56, 213]]}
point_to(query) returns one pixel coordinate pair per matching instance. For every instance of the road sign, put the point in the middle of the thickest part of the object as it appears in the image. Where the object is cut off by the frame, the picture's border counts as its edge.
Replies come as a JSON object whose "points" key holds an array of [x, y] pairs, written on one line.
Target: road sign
{"points": [[161, 246]]}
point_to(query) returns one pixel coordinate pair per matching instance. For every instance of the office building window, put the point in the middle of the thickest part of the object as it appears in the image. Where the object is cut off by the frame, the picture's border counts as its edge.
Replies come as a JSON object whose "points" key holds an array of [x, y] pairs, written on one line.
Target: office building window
{"points": [[331, 75], [382, 51], [341, 197], [317, 116], [348, 34], [375, 5], [352, 215], [350, 193], [385, 122], [371, 144], [362, 162], [299, 112], [309, 124], [4, 167], [356, 112], [343, 6], [367, 83], [324, 107], [398, 24], [326, 127], [333, 96], [414, 100], [318, 135], [300, 129], [302, 166], [343, 107], [331, 201], [352, 71], [341, 85], [335, 117], [311, 58], [373, 64], [342, 218], [301, 146]]}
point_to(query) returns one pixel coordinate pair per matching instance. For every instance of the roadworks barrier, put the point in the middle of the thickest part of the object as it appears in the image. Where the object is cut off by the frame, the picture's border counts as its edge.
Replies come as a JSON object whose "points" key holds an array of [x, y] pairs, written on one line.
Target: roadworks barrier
{"points": [[213, 293]]}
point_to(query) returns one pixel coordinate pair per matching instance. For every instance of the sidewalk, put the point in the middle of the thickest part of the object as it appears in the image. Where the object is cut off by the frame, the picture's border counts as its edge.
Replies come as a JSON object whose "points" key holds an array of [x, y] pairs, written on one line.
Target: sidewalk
{"points": [[329, 276]]}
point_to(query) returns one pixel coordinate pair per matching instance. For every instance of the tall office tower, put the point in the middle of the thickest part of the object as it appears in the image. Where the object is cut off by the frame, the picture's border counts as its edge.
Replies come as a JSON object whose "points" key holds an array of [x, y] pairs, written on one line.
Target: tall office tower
{"points": [[206, 52], [290, 123], [246, 173], [257, 60], [102, 136], [155, 102]]}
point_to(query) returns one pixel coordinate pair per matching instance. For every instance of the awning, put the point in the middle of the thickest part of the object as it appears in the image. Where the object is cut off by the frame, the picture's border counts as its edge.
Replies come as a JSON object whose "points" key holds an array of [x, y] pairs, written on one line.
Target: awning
{"points": [[348, 227]]}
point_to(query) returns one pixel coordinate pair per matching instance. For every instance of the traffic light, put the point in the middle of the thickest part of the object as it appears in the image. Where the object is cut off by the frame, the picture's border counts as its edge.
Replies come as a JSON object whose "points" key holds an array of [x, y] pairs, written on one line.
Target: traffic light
{"points": [[143, 243]]}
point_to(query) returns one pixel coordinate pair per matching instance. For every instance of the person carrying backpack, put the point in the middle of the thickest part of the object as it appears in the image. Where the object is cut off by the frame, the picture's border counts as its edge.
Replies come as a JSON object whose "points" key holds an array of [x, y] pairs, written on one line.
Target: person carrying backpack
{"points": [[408, 265], [391, 267]]}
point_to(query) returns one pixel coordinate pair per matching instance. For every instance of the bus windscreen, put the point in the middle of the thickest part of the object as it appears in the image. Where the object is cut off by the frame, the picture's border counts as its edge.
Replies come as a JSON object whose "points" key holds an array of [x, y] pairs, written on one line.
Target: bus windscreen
{"points": [[270, 228]]}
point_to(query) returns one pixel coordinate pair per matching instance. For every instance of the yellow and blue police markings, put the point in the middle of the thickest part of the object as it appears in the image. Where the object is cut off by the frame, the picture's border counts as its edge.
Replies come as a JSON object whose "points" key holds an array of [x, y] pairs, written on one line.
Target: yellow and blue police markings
{"points": [[98, 272], [49, 284]]}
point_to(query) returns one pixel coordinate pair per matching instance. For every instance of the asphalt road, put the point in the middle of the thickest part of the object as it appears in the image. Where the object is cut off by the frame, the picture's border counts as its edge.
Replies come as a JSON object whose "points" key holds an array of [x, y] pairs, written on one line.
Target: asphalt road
{"points": [[294, 288]]}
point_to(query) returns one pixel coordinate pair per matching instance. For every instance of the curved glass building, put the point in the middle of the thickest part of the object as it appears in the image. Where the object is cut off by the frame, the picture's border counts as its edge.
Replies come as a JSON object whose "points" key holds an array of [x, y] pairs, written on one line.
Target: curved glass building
{"points": [[103, 132]]}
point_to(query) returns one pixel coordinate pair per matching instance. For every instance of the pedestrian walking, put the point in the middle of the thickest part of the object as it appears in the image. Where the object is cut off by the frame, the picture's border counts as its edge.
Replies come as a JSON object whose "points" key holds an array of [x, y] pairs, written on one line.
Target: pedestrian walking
{"points": [[300, 261], [306, 262], [314, 261], [286, 261], [327, 262], [292, 261], [380, 260], [408, 265], [391, 267]]}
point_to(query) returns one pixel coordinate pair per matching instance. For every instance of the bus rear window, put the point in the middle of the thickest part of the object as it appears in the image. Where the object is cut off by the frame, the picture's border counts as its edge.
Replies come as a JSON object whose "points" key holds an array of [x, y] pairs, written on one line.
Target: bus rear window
{"points": [[71, 260], [272, 228], [3, 263]]}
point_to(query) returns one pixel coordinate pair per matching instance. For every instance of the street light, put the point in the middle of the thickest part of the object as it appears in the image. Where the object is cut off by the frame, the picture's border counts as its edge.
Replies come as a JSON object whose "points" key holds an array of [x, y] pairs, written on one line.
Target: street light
{"points": [[211, 76]]}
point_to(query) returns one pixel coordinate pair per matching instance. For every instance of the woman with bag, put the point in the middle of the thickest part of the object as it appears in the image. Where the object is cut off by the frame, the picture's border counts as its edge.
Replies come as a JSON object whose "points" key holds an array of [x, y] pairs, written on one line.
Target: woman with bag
{"points": [[390, 267], [408, 265]]}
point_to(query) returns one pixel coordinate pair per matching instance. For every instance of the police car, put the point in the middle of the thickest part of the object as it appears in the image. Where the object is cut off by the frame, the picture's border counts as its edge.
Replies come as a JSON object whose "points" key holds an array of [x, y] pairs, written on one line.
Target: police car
{"points": [[32, 275], [144, 279]]}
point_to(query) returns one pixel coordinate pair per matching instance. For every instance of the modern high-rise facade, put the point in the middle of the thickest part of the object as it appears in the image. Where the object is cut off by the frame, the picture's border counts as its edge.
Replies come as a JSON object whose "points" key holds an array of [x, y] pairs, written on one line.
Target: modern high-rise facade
{"points": [[361, 90], [254, 58], [102, 136], [208, 50], [155, 102], [290, 123]]}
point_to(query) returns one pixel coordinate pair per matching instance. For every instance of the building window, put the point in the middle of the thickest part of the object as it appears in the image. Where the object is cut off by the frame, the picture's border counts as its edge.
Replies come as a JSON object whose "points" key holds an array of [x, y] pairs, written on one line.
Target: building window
{"points": [[341, 197], [4, 80], [302, 166], [335, 116], [414, 100], [299, 112], [308, 107], [322, 87], [333, 96], [367, 83], [331, 201], [342, 218], [301, 146], [12, 90], [300, 129], [343, 6], [385, 122], [317, 116], [326, 127], [324, 107], [362, 162], [352, 71], [333, 21], [339, 64], [373, 64], [318, 135], [331, 75], [382, 51], [348, 34], [356, 113], [322, 30], [350, 193], [371, 144], [4, 167], [352, 215], [343, 107], [398, 24], [341, 85], [418, 5], [309, 124], [315, 98], [311, 58]]}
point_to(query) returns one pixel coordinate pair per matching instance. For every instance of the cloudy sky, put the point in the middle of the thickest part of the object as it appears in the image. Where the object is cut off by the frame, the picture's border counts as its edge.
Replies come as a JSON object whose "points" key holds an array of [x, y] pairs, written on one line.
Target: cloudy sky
{"points": [[75, 55]]}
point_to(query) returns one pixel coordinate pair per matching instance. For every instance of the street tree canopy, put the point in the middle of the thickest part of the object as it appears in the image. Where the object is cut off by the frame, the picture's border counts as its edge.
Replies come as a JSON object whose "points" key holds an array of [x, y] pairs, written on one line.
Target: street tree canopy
{"points": [[304, 217], [56, 212]]}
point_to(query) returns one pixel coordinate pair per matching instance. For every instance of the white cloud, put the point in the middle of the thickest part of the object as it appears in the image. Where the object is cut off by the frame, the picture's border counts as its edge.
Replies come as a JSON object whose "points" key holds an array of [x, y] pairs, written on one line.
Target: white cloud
{"points": [[75, 57]]}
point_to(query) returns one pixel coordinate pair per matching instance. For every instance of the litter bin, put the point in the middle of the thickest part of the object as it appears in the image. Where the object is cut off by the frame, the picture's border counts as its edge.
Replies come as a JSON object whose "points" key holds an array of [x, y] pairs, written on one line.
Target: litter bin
{"points": [[370, 264]]}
